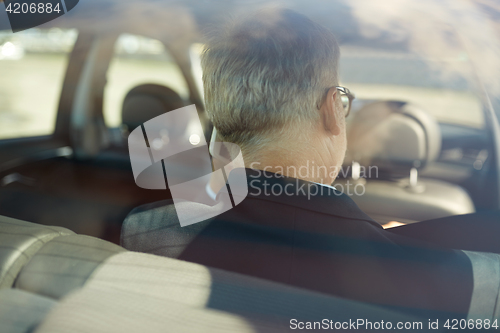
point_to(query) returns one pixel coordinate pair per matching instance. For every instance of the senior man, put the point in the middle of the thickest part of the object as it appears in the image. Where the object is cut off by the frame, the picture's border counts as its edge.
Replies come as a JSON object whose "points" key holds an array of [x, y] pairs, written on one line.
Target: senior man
{"points": [[271, 87]]}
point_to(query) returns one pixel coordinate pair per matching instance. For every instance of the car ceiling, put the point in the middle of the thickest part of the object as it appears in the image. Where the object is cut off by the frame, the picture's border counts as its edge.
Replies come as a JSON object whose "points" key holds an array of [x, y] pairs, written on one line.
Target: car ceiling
{"points": [[394, 25], [176, 20]]}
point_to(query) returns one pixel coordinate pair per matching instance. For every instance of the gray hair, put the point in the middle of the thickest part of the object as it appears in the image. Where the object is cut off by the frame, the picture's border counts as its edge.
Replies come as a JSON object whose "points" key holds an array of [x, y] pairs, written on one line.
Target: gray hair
{"points": [[265, 73]]}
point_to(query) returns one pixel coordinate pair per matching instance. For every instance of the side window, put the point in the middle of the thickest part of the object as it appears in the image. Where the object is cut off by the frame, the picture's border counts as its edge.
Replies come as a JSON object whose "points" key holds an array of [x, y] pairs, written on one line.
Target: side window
{"points": [[32, 66], [138, 60]]}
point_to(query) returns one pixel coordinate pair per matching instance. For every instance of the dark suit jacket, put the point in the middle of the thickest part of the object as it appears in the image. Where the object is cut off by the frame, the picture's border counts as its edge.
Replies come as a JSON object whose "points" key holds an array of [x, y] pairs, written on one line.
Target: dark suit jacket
{"points": [[322, 242]]}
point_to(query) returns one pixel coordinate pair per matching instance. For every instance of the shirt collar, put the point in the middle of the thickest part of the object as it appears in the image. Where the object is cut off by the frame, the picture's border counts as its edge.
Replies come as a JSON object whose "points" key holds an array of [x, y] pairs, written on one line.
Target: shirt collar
{"points": [[306, 195]]}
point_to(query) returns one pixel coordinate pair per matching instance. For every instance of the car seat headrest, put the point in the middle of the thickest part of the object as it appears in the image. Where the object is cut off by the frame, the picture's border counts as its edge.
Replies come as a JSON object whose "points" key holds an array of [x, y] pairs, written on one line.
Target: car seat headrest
{"points": [[394, 136], [148, 101]]}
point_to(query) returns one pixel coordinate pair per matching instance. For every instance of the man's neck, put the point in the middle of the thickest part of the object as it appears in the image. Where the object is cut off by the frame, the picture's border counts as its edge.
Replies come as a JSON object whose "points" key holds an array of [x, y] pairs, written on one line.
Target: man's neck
{"points": [[302, 157], [308, 170]]}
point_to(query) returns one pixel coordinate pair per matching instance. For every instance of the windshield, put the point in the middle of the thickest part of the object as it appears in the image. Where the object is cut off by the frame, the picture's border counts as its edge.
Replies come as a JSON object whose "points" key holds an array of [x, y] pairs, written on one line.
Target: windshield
{"points": [[374, 74]]}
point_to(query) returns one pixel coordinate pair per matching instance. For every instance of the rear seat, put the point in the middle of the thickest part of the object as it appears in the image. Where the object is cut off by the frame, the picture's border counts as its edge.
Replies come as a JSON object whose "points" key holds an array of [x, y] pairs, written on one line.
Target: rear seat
{"points": [[74, 283], [64, 264], [19, 241], [21, 311]]}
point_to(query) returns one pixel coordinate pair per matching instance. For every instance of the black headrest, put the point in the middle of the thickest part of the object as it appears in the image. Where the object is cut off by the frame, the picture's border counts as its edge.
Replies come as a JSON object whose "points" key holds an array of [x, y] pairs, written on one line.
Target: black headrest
{"points": [[148, 101], [393, 135]]}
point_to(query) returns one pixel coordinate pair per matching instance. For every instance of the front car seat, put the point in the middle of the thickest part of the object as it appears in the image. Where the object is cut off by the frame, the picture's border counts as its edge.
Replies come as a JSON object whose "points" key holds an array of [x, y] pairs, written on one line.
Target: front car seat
{"points": [[389, 143]]}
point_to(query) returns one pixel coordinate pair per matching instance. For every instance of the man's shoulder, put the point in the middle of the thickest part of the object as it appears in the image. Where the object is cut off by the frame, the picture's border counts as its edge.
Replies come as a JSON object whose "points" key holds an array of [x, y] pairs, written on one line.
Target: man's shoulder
{"points": [[311, 199], [155, 228], [144, 217]]}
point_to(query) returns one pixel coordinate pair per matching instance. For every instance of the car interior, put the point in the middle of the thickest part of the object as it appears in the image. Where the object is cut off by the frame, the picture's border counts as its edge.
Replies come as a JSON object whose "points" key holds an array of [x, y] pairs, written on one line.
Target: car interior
{"points": [[66, 190], [401, 140]]}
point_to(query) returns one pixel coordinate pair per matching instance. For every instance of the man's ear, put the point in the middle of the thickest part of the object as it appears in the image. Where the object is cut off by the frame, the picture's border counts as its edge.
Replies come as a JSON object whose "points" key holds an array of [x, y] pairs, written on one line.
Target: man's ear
{"points": [[329, 113]]}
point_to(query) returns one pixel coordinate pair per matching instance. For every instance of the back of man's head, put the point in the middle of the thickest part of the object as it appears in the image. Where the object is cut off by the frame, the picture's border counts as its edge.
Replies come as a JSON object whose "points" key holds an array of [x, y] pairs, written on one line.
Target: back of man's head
{"points": [[267, 73]]}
